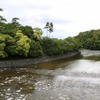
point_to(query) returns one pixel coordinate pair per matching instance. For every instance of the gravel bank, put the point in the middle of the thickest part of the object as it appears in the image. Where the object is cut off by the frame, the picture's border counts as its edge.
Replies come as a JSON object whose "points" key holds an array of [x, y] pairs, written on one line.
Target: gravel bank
{"points": [[17, 63]]}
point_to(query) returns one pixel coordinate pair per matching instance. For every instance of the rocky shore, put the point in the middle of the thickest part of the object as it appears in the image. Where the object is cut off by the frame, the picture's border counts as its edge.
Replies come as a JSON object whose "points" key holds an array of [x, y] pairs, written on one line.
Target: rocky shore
{"points": [[19, 63]]}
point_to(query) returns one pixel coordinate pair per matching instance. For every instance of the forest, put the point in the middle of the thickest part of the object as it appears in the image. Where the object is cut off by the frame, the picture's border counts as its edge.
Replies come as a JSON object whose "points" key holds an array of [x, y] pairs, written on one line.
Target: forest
{"points": [[17, 40]]}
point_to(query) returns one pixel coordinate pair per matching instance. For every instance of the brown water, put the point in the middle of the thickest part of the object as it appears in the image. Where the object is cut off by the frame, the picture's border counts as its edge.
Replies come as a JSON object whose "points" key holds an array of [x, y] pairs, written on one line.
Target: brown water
{"points": [[76, 78]]}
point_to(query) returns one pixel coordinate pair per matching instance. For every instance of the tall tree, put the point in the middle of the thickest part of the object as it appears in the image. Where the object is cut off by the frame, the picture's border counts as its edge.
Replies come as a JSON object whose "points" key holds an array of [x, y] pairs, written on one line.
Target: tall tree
{"points": [[2, 19], [1, 9], [49, 27], [15, 19], [15, 22]]}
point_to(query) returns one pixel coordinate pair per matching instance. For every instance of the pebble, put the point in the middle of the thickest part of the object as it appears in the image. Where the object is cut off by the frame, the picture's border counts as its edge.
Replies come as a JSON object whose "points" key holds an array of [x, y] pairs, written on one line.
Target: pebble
{"points": [[10, 99], [2, 84], [18, 91]]}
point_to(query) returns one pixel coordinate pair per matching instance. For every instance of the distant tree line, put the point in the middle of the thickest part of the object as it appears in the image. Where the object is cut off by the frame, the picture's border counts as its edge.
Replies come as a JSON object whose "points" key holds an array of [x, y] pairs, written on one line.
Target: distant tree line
{"points": [[89, 39]]}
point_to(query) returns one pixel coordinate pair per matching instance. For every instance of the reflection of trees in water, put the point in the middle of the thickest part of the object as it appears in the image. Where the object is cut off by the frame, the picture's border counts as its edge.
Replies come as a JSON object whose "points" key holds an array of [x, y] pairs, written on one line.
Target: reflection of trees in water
{"points": [[96, 58]]}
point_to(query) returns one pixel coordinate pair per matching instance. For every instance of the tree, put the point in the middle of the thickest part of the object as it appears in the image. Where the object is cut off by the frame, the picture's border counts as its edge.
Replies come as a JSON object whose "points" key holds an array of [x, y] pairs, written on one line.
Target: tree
{"points": [[9, 28], [49, 27], [37, 33], [2, 19], [35, 49], [27, 30], [15, 22], [15, 19], [10, 48], [1, 9], [2, 22], [51, 46], [22, 43], [2, 46]]}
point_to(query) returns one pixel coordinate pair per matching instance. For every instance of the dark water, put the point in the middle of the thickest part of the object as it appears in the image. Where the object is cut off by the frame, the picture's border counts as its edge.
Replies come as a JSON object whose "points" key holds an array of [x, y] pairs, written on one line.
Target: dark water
{"points": [[76, 78]]}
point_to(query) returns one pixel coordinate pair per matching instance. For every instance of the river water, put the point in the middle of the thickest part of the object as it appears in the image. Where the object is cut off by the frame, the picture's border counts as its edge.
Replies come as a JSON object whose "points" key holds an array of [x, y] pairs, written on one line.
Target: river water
{"points": [[76, 78]]}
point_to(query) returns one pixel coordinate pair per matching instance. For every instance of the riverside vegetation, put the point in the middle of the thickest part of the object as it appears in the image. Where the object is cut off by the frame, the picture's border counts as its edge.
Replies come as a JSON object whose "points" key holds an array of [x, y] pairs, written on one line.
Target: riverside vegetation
{"points": [[89, 39], [25, 41]]}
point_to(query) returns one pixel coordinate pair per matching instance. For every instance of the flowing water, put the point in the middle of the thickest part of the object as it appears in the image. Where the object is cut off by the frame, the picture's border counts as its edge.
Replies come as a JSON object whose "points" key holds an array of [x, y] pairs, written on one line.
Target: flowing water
{"points": [[76, 78]]}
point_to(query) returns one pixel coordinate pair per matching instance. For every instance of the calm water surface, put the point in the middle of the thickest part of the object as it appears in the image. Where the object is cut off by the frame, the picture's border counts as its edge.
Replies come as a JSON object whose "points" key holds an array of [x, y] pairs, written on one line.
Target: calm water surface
{"points": [[76, 78]]}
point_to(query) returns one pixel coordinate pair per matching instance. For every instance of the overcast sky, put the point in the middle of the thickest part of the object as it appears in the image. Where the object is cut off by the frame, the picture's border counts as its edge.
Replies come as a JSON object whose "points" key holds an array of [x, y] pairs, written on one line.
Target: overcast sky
{"points": [[68, 16]]}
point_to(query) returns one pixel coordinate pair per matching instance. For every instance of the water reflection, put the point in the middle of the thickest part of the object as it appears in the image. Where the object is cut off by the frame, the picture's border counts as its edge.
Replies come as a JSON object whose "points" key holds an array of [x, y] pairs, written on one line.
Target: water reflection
{"points": [[95, 58], [75, 78], [52, 65]]}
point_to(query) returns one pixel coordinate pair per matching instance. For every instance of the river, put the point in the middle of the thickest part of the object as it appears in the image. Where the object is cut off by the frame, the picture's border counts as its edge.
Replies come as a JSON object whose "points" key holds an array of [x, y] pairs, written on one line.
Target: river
{"points": [[76, 78]]}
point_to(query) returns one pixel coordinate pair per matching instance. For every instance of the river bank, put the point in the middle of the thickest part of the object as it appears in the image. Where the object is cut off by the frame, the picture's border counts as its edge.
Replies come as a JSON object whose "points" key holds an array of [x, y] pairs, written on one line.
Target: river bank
{"points": [[17, 63]]}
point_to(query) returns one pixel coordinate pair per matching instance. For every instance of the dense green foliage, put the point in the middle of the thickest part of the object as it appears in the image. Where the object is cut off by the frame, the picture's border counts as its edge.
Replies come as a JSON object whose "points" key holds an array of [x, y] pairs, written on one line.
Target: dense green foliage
{"points": [[22, 43], [2, 46], [25, 41], [90, 39], [35, 49], [51, 46], [56, 46], [27, 30]]}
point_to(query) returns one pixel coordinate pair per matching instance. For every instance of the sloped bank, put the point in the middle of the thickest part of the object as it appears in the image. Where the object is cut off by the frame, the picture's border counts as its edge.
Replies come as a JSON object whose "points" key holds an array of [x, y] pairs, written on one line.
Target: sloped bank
{"points": [[19, 63]]}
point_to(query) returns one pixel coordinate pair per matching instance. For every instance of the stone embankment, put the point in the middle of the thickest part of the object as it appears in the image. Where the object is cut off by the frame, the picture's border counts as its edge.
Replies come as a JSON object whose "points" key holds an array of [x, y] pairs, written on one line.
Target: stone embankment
{"points": [[19, 63]]}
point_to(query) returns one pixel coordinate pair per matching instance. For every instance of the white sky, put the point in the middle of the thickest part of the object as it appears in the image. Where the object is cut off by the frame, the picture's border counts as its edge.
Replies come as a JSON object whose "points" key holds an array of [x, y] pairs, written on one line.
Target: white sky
{"points": [[68, 16]]}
